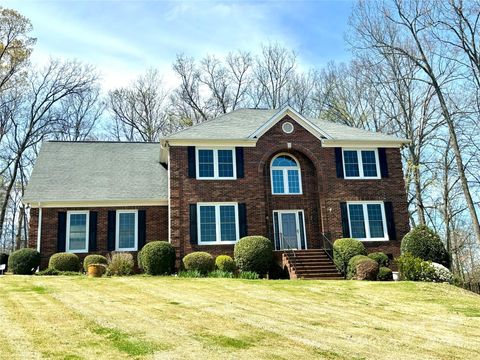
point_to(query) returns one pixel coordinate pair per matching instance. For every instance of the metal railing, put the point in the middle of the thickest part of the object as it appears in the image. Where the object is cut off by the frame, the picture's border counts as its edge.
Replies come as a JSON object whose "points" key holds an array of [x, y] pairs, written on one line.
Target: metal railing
{"points": [[327, 246]]}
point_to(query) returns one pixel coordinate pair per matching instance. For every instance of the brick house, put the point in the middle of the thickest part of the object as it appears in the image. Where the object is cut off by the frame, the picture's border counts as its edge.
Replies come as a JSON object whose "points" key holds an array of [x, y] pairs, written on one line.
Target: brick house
{"points": [[300, 182]]}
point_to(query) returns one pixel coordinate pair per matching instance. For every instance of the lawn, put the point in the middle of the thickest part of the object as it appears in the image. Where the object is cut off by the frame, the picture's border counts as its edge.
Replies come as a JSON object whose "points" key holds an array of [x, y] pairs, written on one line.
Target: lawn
{"points": [[172, 318]]}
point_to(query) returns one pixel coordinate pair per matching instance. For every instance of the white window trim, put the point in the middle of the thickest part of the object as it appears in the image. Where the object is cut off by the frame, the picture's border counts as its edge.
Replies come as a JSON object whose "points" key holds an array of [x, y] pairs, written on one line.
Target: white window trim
{"points": [[87, 231], [117, 230], [218, 233], [215, 163], [366, 219], [285, 175], [360, 163]]}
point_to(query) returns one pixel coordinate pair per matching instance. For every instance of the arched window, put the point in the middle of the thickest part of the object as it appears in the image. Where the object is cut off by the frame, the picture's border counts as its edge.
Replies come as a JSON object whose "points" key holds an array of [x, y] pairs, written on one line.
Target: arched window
{"points": [[285, 174]]}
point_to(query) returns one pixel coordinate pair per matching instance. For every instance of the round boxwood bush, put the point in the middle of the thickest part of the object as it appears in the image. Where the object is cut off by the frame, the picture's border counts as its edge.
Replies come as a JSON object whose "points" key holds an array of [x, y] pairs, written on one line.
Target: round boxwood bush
{"points": [[380, 257], [24, 261], [157, 258], [366, 269], [254, 253], [424, 243], [352, 265], [344, 249], [64, 262], [200, 261], [384, 274], [94, 259], [225, 263]]}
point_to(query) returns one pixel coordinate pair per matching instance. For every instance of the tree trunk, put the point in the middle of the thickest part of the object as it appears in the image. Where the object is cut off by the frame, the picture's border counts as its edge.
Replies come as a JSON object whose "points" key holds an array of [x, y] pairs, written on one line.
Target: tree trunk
{"points": [[18, 237]]}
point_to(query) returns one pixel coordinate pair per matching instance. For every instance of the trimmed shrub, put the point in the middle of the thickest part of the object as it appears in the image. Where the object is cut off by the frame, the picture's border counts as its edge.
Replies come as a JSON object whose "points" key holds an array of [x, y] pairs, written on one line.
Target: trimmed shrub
{"points": [[249, 275], [24, 261], [384, 274], [220, 274], [157, 258], [367, 270], [254, 253], [200, 261], [94, 259], [414, 269], [424, 243], [64, 262], [441, 273], [352, 265], [345, 249], [380, 257], [120, 264], [225, 263]]}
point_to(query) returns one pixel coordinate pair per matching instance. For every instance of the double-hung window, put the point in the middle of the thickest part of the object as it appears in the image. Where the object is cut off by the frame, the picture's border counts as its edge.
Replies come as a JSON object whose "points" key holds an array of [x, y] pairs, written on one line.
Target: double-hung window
{"points": [[367, 221], [77, 231], [216, 163], [285, 174], [361, 164], [126, 230], [217, 223]]}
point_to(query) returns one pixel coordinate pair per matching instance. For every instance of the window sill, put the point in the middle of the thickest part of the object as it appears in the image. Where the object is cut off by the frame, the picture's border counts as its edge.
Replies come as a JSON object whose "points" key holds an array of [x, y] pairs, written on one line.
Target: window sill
{"points": [[287, 194], [77, 251], [129, 249], [373, 239], [217, 243], [362, 178], [219, 178]]}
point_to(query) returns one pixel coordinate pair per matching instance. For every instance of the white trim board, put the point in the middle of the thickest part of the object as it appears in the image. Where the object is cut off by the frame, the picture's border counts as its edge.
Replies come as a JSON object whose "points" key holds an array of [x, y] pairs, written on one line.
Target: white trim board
{"points": [[96, 204]]}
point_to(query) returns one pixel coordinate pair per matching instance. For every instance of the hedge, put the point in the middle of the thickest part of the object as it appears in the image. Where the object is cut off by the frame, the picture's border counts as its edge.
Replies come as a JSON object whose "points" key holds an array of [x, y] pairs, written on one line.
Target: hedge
{"points": [[24, 261], [157, 258], [199, 261], [254, 253], [64, 262], [345, 249]]}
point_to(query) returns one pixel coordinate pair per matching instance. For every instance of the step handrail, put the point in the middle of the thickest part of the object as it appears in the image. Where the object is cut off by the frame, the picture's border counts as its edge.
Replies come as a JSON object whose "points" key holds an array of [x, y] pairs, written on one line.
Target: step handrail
{"points": [[327, 246]]}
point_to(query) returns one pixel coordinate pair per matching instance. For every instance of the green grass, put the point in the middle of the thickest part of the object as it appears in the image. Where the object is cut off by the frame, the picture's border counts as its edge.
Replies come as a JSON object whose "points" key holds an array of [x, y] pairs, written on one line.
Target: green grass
{"points": [[145, 317]]}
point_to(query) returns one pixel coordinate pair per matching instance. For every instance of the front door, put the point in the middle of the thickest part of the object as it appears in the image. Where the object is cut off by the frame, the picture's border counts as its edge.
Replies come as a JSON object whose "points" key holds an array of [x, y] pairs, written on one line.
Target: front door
{"points": [[289, 229]]}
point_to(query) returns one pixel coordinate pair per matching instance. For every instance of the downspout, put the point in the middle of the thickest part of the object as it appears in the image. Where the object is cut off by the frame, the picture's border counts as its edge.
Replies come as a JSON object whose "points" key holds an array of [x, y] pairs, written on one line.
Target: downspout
{"points": [[39, 229]]}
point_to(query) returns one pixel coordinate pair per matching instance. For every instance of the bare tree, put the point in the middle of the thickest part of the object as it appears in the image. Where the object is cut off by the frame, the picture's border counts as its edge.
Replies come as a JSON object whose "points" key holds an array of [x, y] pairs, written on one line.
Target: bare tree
{"points": [[35, 118], [140, 111]]}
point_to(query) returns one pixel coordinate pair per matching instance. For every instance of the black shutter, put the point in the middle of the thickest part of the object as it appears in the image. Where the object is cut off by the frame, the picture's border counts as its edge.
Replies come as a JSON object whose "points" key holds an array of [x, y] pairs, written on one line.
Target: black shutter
{"points": [[191, 162], [92, 231], [339, 162], [142, 228], [193, 224], [112, 218], [242, 219], [382, 158], [392, 234], [61, 231], [344, 212], [239, 160]]}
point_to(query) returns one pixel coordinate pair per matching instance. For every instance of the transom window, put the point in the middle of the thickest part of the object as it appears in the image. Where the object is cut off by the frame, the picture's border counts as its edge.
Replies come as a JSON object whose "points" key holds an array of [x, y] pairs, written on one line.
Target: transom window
{"points": [[285, 174], [216, 164], [127, 230], [218, 223], [367, 221], [361, 164], [77, 231]]}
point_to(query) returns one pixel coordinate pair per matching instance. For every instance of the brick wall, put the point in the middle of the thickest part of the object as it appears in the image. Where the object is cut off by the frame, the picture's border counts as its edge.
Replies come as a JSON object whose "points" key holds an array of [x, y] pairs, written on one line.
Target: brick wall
{"points": [[322, 191], [156, 228]]}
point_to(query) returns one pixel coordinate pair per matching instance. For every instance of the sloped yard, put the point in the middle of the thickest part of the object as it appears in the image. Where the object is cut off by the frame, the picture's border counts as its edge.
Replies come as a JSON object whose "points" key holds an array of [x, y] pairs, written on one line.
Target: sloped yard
{"points": [[170, 318]]}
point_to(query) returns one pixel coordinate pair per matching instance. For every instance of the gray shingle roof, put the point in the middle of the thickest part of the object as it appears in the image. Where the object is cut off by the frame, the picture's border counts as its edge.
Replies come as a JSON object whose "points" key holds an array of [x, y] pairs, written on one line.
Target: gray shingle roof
{"points": [[242, 123], [97, 171]]}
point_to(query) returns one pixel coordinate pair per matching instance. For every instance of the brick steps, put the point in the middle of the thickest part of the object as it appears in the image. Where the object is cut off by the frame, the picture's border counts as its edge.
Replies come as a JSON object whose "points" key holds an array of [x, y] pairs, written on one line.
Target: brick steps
{"points": [[310, 264]]}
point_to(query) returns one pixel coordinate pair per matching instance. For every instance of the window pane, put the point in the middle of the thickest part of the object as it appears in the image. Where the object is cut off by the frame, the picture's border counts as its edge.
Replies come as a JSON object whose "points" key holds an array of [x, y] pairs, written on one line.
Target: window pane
{"points": [[284, 160], [351, 163], [369, 163], [126, 230], [78, 232], [277, 182], [375, 220], [227, 223], [293, 182], [225, 163], [357, 221], [207, 223], [205, 163]]}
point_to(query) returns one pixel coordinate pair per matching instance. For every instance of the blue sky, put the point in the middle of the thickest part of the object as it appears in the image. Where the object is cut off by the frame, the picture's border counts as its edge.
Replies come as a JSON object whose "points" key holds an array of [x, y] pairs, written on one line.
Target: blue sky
{"points": [[123, 38]]}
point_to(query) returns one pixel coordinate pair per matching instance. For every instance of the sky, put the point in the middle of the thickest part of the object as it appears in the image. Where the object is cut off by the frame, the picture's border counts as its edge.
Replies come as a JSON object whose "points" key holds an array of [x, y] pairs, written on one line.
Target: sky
{"points": [[124, 38]]}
